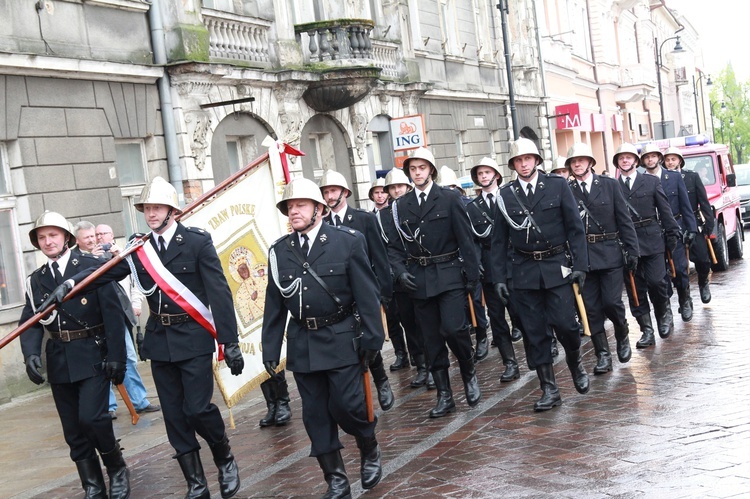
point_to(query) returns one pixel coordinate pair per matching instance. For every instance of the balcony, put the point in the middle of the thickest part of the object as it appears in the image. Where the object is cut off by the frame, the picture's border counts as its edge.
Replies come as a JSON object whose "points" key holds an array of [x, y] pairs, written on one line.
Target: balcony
{"points": [[237, 39]]}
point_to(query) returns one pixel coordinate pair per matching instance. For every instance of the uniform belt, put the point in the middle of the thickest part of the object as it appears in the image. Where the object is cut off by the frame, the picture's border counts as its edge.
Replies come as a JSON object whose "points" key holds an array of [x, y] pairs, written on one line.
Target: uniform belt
{"points": [[643, 223], [314, 323], [597, 238], [541, 255], [429, 260], [65, 335], [172, 319]]}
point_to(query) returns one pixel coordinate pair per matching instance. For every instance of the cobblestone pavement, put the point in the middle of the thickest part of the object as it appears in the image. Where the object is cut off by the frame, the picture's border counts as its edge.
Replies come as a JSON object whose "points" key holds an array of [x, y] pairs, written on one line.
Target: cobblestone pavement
{"points": [[673, 422]]}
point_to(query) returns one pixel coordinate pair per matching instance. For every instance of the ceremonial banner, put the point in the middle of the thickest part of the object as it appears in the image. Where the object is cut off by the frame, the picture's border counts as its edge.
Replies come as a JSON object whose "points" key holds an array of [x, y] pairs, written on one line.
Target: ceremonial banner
{"points": [[243, 221]]}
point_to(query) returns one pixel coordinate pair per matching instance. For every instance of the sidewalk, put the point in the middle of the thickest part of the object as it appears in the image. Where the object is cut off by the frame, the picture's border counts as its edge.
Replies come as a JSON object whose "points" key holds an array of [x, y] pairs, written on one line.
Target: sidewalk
{"points": [[673, 422]]}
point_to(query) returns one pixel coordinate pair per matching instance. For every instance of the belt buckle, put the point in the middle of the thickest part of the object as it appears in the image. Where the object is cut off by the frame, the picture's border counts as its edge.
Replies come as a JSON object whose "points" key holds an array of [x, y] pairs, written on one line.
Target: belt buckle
{"points": [[538, 255], [422, 260], [65, 336], [311, 323], [165, 320], [591, 238]]}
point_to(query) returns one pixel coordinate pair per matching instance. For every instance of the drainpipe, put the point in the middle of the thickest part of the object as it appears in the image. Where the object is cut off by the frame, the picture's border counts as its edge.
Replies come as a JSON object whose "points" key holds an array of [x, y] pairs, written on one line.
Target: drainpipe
{"points": [[545, 96], [165, 98], [598, 89]]}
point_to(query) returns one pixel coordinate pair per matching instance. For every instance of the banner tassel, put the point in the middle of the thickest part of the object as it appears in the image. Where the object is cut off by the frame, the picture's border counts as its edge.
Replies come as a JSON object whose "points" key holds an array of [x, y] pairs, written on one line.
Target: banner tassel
{"points": [[231, 419]]}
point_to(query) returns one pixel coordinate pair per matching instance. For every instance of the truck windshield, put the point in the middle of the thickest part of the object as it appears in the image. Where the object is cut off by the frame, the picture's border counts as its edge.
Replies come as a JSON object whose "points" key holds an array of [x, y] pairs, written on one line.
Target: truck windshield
{"points": [[702, 166]]}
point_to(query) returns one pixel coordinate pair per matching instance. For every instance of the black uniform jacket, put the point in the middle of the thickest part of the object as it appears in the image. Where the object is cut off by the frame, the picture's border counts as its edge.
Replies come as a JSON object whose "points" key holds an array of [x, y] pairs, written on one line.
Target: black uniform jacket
{"points": [[699, 200], [68, 362], [191, 257], [367, 223], [442, 228], [606, 205], [339, 257], [555, 211], [482, 222], [650, 211], [674, 188]]}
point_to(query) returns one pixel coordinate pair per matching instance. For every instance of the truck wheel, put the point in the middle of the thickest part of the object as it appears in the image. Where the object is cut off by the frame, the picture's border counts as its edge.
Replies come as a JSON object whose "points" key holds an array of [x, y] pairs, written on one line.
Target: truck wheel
{"points": [[721, 249], [736, 243]]}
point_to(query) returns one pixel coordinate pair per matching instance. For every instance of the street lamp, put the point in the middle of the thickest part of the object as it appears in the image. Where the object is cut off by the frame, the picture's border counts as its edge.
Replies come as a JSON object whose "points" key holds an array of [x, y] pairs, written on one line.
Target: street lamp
{"points": [[657, 48], [502, 6], [701, 75], [721, 122]]}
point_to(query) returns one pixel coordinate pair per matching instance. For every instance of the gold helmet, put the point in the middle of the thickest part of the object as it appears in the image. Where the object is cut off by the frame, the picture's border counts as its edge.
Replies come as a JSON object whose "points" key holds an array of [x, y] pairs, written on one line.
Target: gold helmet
{"points": [[676, 152], [490, 163], [159, 191], [522, 147], [301, 188], [626, 148], [580, 150], [52, 219], [332, 178], [425, 154], [652, 147], [379, 182], [397, 176]]}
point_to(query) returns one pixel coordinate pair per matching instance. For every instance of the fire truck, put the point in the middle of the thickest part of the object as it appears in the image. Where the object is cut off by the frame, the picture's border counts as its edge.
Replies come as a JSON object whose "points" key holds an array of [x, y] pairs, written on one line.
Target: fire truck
{"points": [[713, 163]]}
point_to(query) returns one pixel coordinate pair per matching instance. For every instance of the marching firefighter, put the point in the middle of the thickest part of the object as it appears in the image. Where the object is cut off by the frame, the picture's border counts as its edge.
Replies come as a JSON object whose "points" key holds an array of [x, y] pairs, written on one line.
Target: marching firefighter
{"points": [[322, 276], [86, 351], [537, 214], [612, 243]]}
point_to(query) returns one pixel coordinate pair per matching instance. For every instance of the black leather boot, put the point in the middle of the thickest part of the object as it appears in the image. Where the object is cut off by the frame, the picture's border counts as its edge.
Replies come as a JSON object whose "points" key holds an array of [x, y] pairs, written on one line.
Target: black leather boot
{"points": [[402, 361], [647, 330], [385, 394], [471, 383], [421, 377], [623, 343], [580, 379], [686, 304], [515, 334], [603, 357], [192, 470], [508, 353], [703, 287], [370, 468], [664, 319], [119, 476], [550, 393], [269, 393], [229, 473], [283, 411], [335, 476], [430, 381], [483, 349], [92, 479], [445, 403]]}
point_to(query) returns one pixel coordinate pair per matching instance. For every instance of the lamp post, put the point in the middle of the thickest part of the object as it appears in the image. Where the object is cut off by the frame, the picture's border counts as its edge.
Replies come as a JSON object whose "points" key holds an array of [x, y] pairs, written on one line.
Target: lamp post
{"points": [[701, 74], [657, 48], [502, 6], [721, 122]]}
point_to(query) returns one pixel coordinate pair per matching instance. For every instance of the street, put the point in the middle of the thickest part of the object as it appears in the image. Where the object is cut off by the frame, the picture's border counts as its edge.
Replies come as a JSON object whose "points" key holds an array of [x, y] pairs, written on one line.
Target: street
{"points": [[673, 422]]}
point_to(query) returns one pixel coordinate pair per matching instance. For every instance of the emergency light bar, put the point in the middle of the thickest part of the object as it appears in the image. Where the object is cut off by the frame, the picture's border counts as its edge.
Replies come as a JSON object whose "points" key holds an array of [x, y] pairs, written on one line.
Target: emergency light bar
{"points": [[686, 141]]}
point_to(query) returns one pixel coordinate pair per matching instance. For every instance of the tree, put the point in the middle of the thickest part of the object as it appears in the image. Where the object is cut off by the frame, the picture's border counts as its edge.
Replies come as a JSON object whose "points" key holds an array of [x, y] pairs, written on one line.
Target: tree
{"points": [[732, 118]]}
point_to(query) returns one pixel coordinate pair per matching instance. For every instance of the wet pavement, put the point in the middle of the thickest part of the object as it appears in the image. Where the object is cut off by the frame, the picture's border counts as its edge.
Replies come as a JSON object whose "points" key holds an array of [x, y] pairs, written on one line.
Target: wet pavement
{"points": [[673, 422]]}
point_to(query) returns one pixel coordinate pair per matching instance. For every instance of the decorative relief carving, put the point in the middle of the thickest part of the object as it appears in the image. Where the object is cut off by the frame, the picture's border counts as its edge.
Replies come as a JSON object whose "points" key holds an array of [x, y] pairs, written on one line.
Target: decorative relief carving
{"points": [[201, 124]]}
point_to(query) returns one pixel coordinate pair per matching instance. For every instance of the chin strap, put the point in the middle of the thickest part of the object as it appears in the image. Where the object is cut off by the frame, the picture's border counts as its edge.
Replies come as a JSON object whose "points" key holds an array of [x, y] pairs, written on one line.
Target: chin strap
{"points": [[338, 202], [312, 220], [526, 177], [166, 220]]}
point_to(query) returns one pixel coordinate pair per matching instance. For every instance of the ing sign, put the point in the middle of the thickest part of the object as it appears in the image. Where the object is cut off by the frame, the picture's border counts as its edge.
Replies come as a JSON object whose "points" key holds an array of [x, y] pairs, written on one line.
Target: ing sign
{"points": [[408, 132]]}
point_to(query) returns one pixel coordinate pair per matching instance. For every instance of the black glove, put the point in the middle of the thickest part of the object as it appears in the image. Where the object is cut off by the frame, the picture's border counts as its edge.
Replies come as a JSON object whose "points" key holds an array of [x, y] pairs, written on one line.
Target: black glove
{"points": [[579, 278], [115, 372], [233, 358], [139, 343], [502, 290], [366, 357], [707, 231], [672, 243], [33, 364], [632, 263], [406, 281], [471, 287], [57, 296], [688, 238], [271, 366]]}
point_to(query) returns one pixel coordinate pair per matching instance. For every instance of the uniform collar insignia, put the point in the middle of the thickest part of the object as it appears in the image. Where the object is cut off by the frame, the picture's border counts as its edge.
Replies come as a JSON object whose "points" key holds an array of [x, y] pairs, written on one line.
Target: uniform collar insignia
{"points": [[292, 242], [540, 185], [349, 217], [178, 238], [74, 261], [44, 270], [596, 181], [323, 238]]}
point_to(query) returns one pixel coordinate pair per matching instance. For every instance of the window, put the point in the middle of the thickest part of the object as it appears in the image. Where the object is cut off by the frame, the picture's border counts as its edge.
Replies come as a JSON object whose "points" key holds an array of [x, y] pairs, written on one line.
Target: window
{"points": [[11, 284], [241, 151], [482, 17], [322, 152], [448, 27], [131, 168]]}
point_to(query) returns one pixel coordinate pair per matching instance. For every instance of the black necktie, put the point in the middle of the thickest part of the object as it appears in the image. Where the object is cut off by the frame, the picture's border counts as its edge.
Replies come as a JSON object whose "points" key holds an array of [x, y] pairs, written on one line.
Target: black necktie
{"points": [[305, 248], [422, 199], [529, 191], [627, 183], [162, 247], [337, 222], [585, 192], [491, 202], [56, 273]]}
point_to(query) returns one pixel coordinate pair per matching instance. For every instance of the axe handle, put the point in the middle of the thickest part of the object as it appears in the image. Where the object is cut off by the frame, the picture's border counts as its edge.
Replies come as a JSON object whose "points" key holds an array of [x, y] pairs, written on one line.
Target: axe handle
{"points": [[471, 311], [368, 397], [711, 250], [633, 288], [581, 309], [384, 318], [671, 264], [134, 417]]}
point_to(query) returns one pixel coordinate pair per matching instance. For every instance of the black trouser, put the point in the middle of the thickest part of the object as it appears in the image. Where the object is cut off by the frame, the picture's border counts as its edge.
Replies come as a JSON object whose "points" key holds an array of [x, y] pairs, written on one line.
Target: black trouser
{"points": [[395, 331], [185, 389], [700, 256], [679, 257], [479, 313], [496, 311], [602, 296], [332, 399], [82, 407], [540, 307], [414, 337], [443, 321], [650, 280]]}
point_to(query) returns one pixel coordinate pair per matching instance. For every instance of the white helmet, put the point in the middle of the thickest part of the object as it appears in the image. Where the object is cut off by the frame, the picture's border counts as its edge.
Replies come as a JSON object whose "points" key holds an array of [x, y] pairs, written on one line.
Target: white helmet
{"points": [[379, 182], [159, 191], [301, 188], [332, 178], [425, 154], [521, 147], [397, 176], [490, 163], [676, 152], [580, 150], [52, 219], [626, 148]]}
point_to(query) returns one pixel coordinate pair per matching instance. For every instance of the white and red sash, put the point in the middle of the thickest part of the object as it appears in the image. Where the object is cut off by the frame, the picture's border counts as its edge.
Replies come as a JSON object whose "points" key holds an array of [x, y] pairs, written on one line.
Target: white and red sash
{"points": [[177, 291]]}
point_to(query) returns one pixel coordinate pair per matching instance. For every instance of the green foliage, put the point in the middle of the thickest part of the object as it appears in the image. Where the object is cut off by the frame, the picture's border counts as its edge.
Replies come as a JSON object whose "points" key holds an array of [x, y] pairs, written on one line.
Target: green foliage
{"points": [[732, 123]]}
